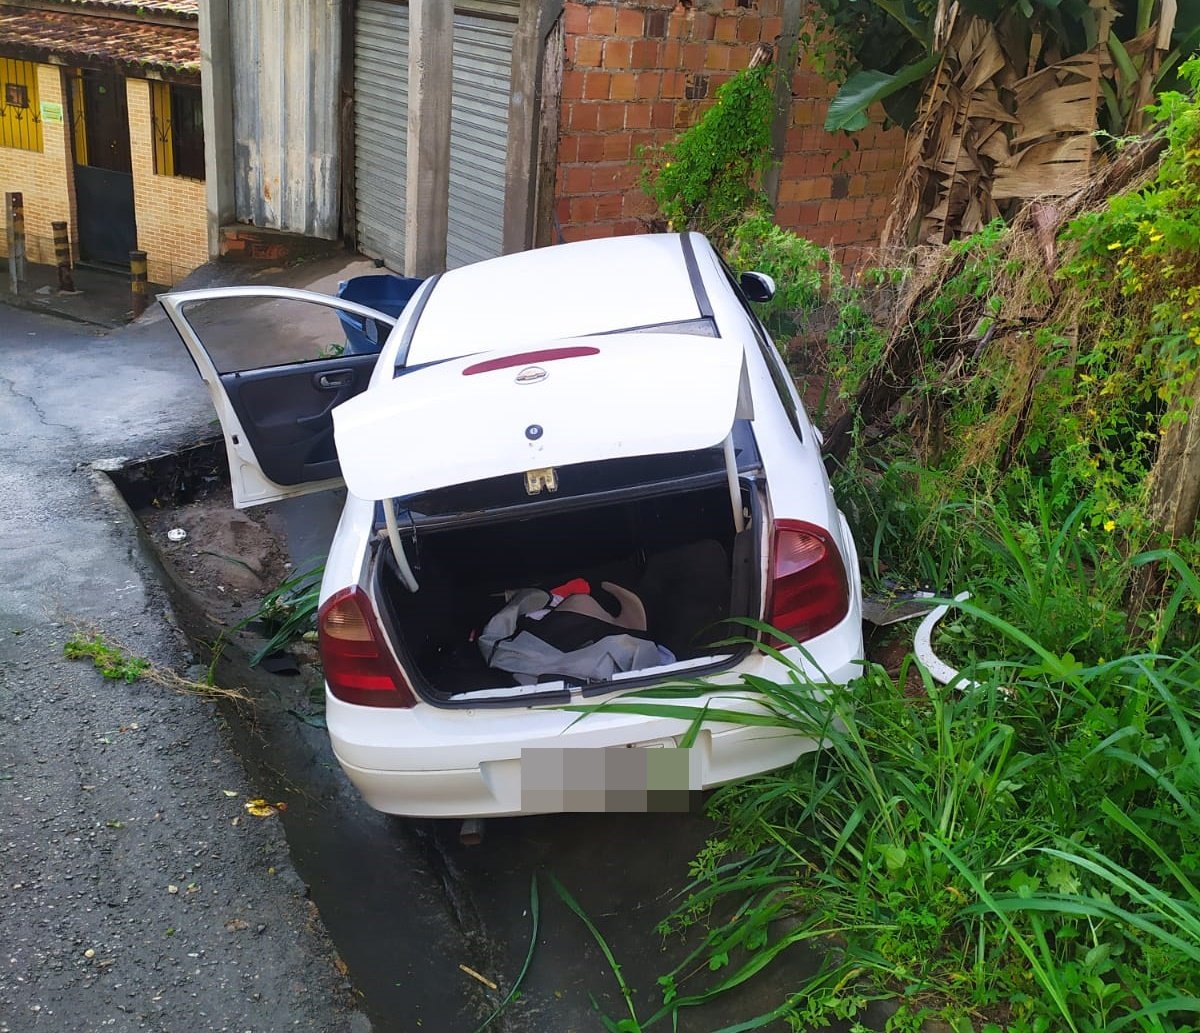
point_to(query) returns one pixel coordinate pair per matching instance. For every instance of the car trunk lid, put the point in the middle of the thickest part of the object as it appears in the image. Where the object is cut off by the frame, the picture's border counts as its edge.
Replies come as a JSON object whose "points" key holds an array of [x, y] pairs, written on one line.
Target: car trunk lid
{"points": [[520, 410]]}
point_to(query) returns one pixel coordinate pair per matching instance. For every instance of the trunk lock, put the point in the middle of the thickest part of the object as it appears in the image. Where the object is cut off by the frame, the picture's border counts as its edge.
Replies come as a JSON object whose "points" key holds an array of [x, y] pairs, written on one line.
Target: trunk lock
{"points": [[536, 480]]}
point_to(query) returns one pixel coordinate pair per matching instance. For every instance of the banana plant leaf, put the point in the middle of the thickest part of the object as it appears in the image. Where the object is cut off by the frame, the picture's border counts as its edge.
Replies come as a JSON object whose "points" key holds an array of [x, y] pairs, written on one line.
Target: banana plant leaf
{"points": [[848, 110]]}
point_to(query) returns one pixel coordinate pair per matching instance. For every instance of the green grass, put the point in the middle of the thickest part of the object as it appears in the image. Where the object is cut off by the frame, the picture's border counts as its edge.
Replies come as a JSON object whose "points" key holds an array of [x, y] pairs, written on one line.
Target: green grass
{"points": [[1023, 855], [110, 660]]}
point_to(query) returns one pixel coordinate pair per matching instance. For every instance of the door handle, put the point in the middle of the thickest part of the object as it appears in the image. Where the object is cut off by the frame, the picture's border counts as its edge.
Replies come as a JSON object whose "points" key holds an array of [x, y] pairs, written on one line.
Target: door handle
{"points": [[334, 380]]}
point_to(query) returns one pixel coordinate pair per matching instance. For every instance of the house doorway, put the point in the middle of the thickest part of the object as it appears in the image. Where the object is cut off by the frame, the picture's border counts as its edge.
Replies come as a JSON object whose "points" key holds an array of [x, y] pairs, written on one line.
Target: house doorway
{"points": [[107, 229]]}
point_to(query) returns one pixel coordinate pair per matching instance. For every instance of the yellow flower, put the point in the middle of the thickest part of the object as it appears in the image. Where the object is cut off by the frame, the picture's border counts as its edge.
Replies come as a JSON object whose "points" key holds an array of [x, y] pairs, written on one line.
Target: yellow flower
{"points": [[1110, 526]]}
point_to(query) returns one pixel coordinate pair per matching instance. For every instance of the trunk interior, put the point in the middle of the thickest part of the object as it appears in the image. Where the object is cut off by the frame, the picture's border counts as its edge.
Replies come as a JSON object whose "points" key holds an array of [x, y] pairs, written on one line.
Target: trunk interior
{"points": [[679, 553]]}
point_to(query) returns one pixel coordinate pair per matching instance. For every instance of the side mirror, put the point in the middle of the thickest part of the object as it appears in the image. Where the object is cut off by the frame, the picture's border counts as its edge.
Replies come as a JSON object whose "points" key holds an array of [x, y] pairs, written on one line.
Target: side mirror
{"points": [[757, 286]]}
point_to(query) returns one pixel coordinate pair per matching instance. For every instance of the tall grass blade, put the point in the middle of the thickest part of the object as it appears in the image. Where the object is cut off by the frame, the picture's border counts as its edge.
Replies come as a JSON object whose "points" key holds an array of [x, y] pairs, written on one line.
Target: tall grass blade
{"points": [[633, 1025], [534, 912]]}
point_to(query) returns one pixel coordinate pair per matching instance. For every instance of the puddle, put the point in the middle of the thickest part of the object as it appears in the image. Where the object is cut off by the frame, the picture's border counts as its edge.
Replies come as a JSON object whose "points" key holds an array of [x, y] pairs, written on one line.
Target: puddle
{"points": [[406, 904]]}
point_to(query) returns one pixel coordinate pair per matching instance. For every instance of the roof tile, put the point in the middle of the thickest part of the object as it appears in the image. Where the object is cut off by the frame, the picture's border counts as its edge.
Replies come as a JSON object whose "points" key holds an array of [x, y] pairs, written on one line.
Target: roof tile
{"points": [[186, 8], [132, 47]]}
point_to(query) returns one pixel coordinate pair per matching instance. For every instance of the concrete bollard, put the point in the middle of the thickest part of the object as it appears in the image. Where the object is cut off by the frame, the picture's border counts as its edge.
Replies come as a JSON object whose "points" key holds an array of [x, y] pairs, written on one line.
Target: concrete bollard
{"points": [[14, 218], [137, 282], [62, 255]]}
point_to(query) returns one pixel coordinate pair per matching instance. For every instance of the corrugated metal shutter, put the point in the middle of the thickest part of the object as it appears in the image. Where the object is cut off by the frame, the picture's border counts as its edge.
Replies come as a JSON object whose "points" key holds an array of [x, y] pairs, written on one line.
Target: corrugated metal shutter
{"points": [[509, 9], [381, 128], [478, 137], [478, 132]]}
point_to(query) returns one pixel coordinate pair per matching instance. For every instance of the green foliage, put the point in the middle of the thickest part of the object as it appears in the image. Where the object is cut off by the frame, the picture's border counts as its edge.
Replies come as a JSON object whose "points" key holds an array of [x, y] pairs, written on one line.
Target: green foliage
{"points": [[848, 110], [856, 343], [710, 177], [1147, 244], [289, 612], [882, 50], [110, 660], [1065, 397], [804, 273], [1016, 852], [1019, 846]]}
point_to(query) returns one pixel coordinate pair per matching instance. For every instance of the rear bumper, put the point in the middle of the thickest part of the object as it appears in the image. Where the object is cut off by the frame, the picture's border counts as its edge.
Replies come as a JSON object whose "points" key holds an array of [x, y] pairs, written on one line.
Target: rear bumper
{"points": [[457, 763]]}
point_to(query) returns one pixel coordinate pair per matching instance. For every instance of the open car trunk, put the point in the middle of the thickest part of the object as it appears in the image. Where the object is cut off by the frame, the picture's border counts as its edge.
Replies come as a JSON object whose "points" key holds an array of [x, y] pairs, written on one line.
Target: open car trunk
{"points": [[678, 551]]}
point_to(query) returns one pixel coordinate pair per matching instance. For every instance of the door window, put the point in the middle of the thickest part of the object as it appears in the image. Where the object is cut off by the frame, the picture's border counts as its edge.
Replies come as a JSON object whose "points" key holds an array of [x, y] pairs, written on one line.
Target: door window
{"points": [[243, 335]]}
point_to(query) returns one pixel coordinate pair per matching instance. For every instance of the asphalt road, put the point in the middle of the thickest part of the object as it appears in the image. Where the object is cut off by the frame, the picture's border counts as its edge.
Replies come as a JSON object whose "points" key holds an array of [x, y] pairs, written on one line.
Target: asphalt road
{"points": [[111, 794]]}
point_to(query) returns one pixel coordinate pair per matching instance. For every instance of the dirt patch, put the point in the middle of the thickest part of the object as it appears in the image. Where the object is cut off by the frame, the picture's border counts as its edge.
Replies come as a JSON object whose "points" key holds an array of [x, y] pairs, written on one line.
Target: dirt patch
{"points": [[230, 558], [227, 557]]}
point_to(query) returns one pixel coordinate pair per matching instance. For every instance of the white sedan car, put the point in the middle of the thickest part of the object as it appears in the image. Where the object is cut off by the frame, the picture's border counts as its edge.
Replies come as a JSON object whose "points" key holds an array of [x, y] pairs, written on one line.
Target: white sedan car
{"points": [[570, 472]]}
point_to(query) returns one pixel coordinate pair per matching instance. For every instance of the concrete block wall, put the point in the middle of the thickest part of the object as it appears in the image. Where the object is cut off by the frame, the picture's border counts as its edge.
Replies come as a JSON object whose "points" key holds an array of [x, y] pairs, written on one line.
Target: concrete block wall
{"points": [[45, 177], [172, 226], [636, 72]]}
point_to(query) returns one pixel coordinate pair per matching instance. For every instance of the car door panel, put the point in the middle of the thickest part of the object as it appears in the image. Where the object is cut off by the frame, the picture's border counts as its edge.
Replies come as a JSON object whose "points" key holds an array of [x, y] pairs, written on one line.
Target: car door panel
{"points": [[287, 413], [277, 419]]}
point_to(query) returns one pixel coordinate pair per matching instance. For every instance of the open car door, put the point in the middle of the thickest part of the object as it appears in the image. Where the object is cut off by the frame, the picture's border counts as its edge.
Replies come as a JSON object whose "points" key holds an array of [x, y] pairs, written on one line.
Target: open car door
{"points": [[276, 365]]}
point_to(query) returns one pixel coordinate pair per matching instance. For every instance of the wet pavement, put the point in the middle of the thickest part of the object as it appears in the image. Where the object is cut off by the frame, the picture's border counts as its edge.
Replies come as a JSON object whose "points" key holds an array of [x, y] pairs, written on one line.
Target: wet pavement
{"points": [[111, 793]]}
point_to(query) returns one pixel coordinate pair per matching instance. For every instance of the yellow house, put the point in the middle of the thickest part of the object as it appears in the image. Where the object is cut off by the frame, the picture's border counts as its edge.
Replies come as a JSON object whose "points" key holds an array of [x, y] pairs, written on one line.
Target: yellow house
{"points": [[101, 127]]}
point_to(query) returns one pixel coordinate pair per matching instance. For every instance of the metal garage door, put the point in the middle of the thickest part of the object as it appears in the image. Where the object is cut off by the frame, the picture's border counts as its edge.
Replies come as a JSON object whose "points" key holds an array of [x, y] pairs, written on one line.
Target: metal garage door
{"points": [[478, 137], [381, 128], [478, 133]]}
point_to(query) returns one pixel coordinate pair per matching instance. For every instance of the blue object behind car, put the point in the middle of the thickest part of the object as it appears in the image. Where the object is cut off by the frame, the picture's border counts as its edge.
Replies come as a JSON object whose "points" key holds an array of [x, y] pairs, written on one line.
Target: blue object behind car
{"points": [[385, 292]]}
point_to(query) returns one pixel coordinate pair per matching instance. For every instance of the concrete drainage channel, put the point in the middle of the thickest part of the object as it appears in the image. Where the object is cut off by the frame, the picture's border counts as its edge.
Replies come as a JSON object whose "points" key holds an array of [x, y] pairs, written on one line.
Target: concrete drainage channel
{"points": [[432, 931]]}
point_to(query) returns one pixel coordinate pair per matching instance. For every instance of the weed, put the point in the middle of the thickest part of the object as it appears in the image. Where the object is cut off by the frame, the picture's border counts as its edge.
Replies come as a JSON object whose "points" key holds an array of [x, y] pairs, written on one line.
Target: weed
{"points": [[709, 178], [289, 611], [804, 273], [1023, 851], [114, 661], [111, 661]]}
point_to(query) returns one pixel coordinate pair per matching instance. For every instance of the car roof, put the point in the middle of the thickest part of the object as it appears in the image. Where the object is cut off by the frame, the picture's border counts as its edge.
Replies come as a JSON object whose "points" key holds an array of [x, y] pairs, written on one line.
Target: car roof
{"points": [[568, 290]]}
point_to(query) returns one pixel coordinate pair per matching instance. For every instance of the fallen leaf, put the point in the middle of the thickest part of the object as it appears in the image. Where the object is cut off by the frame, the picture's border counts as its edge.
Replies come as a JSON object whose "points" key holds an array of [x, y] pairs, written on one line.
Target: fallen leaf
{"points": [[259, 808], [231, 793], [236, 925], [172, 888]]}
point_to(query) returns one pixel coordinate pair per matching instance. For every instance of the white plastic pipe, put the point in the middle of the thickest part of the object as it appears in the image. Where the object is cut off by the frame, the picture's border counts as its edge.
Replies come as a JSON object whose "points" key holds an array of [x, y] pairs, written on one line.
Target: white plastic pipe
{"points": [[937, 668], [735, 488], [406, 574]]}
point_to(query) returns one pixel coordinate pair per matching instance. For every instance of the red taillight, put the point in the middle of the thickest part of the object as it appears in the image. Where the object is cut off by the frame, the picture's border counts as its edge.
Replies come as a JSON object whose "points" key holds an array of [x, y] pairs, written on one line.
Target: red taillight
{"points": [[358, 667], [807, 593]]}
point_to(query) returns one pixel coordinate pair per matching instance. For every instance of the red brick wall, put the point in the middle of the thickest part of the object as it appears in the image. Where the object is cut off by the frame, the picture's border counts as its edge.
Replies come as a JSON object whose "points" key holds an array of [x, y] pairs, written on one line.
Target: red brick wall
{"points": [[638, 71]]}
